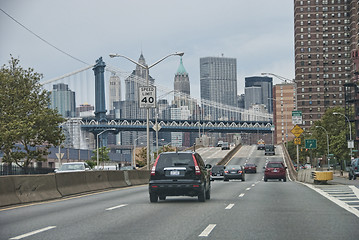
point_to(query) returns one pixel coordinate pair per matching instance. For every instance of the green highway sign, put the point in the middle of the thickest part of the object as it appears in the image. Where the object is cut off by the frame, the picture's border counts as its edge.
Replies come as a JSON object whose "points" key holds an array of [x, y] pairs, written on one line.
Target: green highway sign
{"points": [[311, 143]]}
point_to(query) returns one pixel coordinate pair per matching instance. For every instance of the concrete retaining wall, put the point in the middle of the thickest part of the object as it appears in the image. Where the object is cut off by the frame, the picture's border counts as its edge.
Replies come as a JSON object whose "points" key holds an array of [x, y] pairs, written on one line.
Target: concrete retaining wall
{"points": [[32, 188]]}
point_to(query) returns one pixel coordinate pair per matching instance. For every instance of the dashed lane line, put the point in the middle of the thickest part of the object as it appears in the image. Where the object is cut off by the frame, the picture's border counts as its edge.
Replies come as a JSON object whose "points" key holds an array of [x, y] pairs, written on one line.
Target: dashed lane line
{"points": [[33, 233], [208, 230], [115, 207], [229, 206], [241, 195]]}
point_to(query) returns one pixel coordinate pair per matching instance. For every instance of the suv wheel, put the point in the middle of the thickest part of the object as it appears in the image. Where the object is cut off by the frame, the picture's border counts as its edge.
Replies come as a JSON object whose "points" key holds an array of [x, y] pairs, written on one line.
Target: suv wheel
{"points": [[162, 197], [265, 179], [208, 193], [284, 179], [202, 196], [350, 176], [153, 197]]}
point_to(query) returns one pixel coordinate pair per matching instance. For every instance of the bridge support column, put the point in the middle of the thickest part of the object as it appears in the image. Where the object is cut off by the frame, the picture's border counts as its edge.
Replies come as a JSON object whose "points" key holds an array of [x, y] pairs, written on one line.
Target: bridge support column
{"points": [[100, 106]]}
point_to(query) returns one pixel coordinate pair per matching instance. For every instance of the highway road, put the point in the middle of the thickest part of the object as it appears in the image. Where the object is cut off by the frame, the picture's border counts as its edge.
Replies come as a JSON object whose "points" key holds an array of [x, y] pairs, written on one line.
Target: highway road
{"points": [[253, 209]]}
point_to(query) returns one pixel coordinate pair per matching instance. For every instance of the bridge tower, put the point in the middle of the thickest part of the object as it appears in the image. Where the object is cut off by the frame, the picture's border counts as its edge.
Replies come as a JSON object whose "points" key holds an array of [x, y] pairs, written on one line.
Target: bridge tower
{"points": [[100, 106]]}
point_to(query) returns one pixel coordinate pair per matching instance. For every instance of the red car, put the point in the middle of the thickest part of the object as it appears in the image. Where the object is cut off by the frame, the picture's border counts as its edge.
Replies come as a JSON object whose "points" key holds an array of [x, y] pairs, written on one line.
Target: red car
{"points": [[250, 168], [275, 170]]}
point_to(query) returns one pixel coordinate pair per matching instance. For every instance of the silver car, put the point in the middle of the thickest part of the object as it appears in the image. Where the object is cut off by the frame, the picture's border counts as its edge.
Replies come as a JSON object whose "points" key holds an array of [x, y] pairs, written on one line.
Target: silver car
{"points": [[73, 167]]}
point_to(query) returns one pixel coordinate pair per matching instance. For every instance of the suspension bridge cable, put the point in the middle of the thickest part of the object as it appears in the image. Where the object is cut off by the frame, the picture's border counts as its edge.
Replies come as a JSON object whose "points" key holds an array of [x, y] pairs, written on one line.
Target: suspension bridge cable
{"points": [[42, 39]]}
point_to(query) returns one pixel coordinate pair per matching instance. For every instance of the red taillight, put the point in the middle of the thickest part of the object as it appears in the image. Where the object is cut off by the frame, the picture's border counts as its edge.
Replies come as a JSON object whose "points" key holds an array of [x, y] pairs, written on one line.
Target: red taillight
{"points": [[153, 170], [195, 185], [196, 167], [226, 171], [239, 171]]}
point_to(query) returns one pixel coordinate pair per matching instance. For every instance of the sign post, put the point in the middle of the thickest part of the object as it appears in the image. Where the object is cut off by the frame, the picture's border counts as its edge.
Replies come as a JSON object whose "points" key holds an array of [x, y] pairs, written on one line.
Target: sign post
{"points": [[297, 131]]}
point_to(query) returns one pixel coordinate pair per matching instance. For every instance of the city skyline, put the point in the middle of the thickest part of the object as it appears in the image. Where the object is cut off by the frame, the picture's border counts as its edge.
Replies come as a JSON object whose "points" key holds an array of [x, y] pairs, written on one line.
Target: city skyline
{"points": [[261, 41]]}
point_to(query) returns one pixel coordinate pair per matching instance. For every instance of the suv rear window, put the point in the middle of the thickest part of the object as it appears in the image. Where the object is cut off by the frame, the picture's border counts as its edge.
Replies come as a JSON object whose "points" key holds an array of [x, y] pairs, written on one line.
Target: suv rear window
{"points": [[274, 165], [175, 160]]}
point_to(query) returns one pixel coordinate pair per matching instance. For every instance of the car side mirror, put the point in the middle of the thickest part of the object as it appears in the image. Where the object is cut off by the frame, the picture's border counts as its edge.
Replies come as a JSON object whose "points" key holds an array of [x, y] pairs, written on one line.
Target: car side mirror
{"points": [[208, 166]]}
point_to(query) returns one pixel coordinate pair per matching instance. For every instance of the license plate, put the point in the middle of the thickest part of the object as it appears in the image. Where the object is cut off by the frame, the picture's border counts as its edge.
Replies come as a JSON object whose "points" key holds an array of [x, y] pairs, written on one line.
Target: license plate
{"points": [[174, 173], [275, 170]]}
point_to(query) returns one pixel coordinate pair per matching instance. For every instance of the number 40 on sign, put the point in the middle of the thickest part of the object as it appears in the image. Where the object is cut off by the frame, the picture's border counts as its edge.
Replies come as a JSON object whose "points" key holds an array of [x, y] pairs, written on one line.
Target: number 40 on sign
{"points": [[147, 97]]}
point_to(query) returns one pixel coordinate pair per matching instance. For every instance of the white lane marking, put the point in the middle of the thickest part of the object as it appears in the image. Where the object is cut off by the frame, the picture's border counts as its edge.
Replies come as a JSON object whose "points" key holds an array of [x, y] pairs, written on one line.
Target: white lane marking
{"points": [[33, 232], [253, 185], [335, 200], [208, 230], [229, 206], [119, 206], [241, 195], [247, 189], [355, 190]]}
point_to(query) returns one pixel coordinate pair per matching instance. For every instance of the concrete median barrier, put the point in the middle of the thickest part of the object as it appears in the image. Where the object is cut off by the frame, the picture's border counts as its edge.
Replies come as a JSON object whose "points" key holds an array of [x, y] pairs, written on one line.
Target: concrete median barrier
{"points": [[7, 191], [116, 179], [305, 175], [139, 177], [97, 180], [33, 188], [71, 183]]}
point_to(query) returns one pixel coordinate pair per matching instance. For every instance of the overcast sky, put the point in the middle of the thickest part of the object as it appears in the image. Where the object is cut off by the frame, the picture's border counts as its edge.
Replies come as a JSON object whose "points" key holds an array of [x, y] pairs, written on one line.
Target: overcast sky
{"points": [[259, 34]]}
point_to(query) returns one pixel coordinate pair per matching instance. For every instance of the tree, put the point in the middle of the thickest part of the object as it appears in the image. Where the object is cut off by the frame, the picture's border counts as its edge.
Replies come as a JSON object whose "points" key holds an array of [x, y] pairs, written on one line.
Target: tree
{"points": [[102, 154], [28, 127]]}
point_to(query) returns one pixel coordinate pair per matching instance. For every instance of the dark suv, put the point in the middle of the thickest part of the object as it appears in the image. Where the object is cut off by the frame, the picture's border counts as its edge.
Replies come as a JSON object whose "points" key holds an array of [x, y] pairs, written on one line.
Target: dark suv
{"points": [[180, 174]]}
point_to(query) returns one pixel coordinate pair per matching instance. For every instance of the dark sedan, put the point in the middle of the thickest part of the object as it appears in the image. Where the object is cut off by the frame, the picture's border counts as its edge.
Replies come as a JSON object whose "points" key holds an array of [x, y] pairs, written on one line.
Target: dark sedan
{"points": [[234, 172]]}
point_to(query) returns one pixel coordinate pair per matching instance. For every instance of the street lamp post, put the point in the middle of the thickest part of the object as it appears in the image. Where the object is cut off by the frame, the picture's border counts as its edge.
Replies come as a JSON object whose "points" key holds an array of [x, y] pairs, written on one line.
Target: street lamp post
{"points": [[327, 144], [97, 155], [147, 68], [350, 133]]}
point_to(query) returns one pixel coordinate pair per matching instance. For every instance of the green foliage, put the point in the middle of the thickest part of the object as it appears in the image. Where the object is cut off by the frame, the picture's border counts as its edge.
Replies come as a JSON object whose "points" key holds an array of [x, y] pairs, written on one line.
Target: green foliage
{"points": [[102, 154], [25, 117], [337, 128], [91, 163]]}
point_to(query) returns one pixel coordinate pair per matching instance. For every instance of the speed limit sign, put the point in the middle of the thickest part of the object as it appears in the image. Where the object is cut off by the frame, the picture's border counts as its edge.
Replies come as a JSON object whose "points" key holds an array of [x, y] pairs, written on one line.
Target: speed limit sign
{"points": [[147, 97]]}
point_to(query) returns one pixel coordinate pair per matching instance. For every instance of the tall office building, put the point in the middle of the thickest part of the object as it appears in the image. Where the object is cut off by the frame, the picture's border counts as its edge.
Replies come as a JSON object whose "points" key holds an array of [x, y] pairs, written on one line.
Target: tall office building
{"points": [[63, 99], [218, 79], [114, 90], [258, 90], [182, 91], [326, 32]]}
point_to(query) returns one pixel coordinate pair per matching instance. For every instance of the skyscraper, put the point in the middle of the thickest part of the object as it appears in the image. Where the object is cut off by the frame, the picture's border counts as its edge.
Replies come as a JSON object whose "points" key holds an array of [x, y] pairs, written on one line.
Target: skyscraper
{"points": [[181, 86], [63, 99], [218, 79], [326, 32], [259, 91], [114, 90]]}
